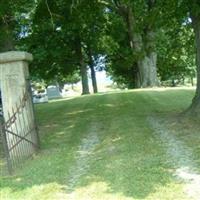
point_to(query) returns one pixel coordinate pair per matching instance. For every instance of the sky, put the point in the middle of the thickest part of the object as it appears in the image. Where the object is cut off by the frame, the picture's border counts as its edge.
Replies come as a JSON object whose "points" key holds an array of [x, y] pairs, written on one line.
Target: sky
{"points": [[101, 78]]}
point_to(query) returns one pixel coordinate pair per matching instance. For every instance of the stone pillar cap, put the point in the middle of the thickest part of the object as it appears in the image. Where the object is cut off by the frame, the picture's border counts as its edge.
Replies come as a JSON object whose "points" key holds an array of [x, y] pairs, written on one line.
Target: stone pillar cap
{"points": [[13, 56]]}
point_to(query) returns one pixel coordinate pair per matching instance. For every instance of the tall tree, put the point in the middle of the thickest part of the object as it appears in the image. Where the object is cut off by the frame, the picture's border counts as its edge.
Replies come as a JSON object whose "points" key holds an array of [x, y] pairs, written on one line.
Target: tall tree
{"points": [[186, 11], [65, 35], [92, 69], [194, 9], [7, 23], [176, 58], [83, 66], [12, 19], [139, 20]]}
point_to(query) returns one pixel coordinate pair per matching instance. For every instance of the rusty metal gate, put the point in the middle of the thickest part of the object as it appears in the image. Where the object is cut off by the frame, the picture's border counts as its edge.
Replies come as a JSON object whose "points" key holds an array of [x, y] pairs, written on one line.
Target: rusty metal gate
{"points": [[19, 134]]}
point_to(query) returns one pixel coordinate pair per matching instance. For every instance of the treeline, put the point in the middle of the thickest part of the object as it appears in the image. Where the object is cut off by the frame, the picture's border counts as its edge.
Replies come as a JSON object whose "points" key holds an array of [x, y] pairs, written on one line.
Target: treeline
{"points": [[141, 42]]}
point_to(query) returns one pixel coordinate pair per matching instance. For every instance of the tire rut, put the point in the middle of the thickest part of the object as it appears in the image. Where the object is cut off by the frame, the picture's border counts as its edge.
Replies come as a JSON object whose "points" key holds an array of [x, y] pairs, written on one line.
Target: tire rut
{"points": [[181, 156]]}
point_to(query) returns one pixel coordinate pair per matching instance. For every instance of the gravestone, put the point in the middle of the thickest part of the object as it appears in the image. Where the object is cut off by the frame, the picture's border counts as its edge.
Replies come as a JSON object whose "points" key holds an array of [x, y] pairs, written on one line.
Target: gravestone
{"points": [[53, 92], [40, 98]]}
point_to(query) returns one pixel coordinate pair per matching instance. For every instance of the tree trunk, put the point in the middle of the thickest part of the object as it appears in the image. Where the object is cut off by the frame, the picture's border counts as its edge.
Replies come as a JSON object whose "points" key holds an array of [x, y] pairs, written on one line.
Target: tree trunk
{"points": [[192, 80], [93, 73], [173, 82], [94, 81], [148, 63], [72, 86], [83, 68], [148, 71], [6, 43], [195, 107], [84, 79], [146, 58]]}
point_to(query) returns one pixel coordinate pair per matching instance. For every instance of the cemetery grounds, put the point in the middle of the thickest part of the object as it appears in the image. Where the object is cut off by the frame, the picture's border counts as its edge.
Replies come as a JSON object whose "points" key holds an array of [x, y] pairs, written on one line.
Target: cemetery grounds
{"points": [[112, 146]]}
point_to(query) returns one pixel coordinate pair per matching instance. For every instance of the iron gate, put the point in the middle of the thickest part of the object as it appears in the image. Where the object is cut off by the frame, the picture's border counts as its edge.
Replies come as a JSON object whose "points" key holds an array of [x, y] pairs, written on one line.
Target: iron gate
{"points": [[19, 133]]}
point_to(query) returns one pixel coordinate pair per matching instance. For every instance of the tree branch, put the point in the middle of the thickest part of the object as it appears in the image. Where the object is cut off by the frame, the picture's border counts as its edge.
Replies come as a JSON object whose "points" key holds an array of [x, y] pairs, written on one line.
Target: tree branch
{"points": [[51, 15]]}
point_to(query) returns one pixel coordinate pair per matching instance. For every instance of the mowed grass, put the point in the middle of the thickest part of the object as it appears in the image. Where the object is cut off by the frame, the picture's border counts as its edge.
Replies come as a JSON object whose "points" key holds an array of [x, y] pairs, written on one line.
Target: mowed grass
{"points": [[102, 147]]}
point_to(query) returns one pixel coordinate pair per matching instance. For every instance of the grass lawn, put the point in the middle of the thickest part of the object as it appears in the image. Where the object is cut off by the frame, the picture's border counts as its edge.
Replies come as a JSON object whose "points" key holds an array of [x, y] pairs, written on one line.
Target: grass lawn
{"points": [[118, 146]]}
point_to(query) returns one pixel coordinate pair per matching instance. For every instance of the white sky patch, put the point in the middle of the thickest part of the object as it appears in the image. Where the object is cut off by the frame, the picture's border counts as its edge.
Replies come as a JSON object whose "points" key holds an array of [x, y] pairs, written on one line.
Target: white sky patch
{"points": [[101, 77]]}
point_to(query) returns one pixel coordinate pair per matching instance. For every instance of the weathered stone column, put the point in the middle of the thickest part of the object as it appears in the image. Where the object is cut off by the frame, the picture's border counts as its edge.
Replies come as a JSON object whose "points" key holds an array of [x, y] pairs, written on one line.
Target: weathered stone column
{"points": [[14, 76]]}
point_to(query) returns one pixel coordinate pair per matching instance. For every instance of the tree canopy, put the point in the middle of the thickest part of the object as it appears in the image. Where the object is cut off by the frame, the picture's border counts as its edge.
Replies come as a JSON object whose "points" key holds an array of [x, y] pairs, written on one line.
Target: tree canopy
{"points": [[144, 42]]}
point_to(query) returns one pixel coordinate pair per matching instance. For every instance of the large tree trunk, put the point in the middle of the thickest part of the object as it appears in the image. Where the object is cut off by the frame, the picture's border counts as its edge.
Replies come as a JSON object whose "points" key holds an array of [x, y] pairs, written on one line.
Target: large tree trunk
{"points": [[148, 71], [145, 52], [148, 63], [93, 73], [83, 68], [6, 36], [84, 76], [195, 107]]}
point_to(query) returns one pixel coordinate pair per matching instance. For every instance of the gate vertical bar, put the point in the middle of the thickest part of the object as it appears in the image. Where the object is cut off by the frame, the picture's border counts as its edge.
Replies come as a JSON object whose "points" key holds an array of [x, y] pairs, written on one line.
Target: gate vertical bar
{"points": [[6, 150], [34, 115]]}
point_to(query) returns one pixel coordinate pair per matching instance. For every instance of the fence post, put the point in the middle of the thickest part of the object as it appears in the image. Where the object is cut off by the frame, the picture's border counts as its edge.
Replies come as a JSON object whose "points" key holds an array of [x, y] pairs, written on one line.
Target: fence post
{"points": [[14, 74]]}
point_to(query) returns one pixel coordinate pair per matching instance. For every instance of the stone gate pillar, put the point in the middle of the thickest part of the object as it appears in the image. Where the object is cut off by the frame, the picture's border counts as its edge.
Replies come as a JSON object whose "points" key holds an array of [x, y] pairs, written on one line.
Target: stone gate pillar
{"points": [[14, 77]]}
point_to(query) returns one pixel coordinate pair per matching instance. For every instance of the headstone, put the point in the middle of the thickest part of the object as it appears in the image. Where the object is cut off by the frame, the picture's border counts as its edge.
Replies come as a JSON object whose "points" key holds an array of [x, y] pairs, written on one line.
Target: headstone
{"points": [[39, 97], [53, 92]]}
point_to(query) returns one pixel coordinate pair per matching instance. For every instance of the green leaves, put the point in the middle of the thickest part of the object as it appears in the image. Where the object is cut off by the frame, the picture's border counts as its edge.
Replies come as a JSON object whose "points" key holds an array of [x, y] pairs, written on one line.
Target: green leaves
{"points": [[49, 29]]}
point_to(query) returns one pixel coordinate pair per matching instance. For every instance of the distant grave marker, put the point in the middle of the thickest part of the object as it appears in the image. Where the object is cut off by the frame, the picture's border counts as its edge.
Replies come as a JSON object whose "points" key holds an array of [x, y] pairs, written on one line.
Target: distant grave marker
{"points": [[53, 92]]}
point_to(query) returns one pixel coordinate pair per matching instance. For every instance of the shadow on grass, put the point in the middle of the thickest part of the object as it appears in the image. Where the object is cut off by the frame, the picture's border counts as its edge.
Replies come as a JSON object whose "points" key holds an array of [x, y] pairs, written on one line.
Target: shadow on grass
{"points": [[127, 159]]}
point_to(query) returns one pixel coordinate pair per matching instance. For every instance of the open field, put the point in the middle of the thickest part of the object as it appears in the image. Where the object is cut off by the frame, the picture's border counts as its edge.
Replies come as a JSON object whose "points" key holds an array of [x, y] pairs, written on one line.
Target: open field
{"points": [[117, 146]]}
